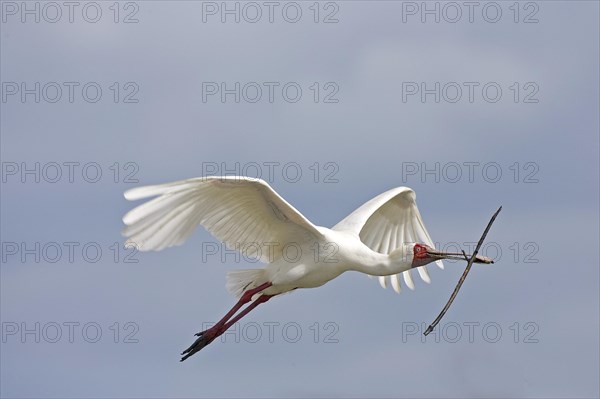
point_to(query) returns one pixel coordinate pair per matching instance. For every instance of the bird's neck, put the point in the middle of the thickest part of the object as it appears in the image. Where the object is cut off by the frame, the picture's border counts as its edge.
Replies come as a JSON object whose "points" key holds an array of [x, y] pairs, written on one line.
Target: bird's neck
{"points": [[385, 265]]}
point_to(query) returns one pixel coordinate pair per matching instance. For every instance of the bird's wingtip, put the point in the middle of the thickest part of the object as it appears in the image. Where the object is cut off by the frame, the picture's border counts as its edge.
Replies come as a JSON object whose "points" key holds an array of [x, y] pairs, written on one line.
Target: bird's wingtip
{"points": [[130, 195]]}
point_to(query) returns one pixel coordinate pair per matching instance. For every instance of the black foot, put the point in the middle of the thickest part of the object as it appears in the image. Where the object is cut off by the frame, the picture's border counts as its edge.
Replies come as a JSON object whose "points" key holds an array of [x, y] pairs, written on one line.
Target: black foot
{"points": [[200, 343]]}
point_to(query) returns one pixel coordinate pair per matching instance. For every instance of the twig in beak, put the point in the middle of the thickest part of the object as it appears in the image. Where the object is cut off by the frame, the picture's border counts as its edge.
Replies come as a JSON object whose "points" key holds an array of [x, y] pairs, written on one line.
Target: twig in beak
{"points": [[464, 254], [464, 275]]}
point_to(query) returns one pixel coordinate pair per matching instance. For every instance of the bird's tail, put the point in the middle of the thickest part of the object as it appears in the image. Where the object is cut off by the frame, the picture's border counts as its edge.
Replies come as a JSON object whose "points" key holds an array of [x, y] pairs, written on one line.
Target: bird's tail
{"points": [[240, 281]]}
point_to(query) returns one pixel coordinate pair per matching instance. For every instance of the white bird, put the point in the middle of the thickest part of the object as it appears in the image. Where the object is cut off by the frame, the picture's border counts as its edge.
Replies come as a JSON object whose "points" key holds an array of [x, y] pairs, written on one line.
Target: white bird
{"points": [[385, 237]]}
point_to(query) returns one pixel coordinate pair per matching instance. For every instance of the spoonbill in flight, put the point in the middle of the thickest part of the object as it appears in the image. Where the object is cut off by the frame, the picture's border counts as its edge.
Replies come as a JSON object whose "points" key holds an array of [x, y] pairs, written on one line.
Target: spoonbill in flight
{"points": [[385, 237]]}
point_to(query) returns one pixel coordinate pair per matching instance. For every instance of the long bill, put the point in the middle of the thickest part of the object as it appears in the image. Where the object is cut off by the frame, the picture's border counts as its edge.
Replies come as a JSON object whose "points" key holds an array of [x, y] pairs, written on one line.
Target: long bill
{"points": [[437, 255]]}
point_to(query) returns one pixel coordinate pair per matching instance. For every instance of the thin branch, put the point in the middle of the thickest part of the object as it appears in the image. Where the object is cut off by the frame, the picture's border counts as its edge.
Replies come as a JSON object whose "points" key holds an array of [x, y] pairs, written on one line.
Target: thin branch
{"points": [[464, 275]]}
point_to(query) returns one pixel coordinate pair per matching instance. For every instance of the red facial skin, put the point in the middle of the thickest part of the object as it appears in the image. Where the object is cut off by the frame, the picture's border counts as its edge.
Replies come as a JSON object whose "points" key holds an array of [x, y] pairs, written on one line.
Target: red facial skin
{"points": [[420, 255]]}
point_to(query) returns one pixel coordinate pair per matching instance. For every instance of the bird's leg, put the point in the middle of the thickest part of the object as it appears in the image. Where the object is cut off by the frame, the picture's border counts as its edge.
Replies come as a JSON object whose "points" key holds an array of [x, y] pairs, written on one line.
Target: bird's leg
{"points": [[244, 299], [204, 340], [207, 336], [261, 299]]}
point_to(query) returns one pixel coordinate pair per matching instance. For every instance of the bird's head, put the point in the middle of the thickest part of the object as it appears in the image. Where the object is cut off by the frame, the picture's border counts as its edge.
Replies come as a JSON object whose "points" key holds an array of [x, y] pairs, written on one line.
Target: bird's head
{"points": [[424, 254]]}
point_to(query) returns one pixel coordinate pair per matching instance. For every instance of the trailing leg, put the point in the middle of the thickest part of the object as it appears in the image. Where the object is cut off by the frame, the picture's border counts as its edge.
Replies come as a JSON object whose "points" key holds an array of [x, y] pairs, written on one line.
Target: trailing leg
{"points": [[207, 336]]}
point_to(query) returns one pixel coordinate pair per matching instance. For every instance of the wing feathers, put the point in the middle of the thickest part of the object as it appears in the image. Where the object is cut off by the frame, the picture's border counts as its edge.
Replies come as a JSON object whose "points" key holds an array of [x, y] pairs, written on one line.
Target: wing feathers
{"points": [[383, 282], [395, 283], [388, 222], [424, 274], [236, 210], [408, 279]]}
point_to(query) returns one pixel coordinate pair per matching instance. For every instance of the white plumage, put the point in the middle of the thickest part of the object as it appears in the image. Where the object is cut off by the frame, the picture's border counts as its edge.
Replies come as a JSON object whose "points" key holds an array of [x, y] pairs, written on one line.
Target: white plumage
{"points": [[387, 222], [385, 237], [246, 213]]}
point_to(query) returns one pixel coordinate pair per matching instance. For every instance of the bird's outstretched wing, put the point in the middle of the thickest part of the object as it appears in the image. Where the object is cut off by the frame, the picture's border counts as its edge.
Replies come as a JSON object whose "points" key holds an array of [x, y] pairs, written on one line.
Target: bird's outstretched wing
{"points": [[387, 222], [245, 213]]}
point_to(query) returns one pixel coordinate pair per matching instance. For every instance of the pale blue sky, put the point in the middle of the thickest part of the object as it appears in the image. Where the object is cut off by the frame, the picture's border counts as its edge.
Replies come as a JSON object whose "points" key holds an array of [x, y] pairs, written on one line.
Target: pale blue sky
{"points": [[370, 140]]}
